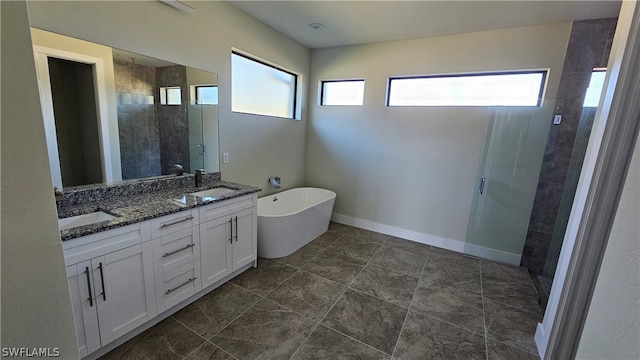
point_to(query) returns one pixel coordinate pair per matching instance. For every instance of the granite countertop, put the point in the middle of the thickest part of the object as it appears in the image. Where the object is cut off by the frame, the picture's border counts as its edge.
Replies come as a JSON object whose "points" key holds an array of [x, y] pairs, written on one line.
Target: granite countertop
{"points": [[131, 208]]}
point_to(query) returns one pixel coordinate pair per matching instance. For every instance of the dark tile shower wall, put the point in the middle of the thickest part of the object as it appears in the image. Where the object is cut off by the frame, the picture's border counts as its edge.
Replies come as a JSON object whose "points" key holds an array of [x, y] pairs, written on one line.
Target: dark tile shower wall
{"points": [[173, 120], [137, 122], [589, 47]]}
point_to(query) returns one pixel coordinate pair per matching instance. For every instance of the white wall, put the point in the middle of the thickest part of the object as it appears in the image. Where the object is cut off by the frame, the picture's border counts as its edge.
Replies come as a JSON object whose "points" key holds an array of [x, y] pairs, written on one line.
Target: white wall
{"points": [[413, 170], [36, 309], [612, 329], [259, 146]]}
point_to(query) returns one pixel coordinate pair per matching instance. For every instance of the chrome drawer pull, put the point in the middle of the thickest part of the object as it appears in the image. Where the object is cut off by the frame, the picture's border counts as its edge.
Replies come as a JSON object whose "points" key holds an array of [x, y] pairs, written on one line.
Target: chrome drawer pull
{"points": [[177, 251], [86, 270], [181, 285], [235, 236], [176, 222], [104, 291]]}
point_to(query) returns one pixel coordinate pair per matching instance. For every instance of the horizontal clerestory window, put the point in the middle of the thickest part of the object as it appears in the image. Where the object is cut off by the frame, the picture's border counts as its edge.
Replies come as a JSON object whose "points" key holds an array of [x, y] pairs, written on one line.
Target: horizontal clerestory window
{"points": [[262, 89], [521, 88], [342, 92]]}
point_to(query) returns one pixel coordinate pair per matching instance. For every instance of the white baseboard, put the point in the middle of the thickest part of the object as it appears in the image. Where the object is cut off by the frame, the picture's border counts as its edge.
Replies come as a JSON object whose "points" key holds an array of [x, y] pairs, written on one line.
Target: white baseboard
{"points": [[449, 244], [423, 238]]}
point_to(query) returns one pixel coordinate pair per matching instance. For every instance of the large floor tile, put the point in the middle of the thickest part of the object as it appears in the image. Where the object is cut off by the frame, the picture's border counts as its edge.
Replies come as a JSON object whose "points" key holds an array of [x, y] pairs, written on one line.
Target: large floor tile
{"points": [[209, 314], [459, 261], [511, 326], [353, 247], [339, 268], [265, 277], [456, 278], [308, 294], [426, 338], [325, 240], [407, 245], [301, 256], [327, 344], [517, 294], [367, 235], [266, 331], [387, 284], [337, 228], [506, 272], [373, 321], [405, 261], [463, 310], [166, 340], [208, 351], [499, 351]]}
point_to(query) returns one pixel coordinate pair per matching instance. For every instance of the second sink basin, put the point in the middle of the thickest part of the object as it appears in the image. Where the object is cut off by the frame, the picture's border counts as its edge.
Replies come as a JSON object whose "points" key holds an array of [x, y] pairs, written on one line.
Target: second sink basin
{"points": [[212, 193], [84, 219]]}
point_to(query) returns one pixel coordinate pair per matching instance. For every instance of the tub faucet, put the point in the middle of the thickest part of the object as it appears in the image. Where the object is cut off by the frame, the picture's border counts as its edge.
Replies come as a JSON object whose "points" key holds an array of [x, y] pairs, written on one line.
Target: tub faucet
{"points": [[199, 173], [275, 181]]}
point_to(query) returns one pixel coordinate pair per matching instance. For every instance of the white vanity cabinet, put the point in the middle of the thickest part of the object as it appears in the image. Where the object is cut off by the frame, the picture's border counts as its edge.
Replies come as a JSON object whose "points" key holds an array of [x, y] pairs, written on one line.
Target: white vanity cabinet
{"points": [[176, 254], [120, 279], [110, 278], [228, 237]]}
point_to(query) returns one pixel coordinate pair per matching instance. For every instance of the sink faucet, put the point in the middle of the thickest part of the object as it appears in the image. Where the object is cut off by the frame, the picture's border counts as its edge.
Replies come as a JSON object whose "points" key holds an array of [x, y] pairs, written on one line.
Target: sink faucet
{"points": [[199, 173], [179, 169]]}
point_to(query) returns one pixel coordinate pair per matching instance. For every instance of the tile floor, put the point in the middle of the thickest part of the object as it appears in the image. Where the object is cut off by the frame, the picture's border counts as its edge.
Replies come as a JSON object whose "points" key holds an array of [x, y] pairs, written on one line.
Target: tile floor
{"points": [[355, 294]]}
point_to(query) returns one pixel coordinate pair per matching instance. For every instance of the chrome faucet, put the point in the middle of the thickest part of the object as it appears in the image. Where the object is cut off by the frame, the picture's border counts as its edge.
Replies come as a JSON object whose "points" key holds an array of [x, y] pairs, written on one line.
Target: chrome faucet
{"points": [[179, 169], [199, 173], [275, 181]]}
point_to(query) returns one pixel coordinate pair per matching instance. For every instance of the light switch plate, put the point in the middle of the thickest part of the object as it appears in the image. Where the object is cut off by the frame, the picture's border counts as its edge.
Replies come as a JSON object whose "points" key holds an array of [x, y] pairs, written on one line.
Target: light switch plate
{"points": [[225, 158]]}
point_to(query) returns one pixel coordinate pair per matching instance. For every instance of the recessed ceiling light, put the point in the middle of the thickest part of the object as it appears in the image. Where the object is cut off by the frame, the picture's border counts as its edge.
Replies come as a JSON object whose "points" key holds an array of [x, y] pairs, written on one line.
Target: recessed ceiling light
{"points": [[316, 26]]}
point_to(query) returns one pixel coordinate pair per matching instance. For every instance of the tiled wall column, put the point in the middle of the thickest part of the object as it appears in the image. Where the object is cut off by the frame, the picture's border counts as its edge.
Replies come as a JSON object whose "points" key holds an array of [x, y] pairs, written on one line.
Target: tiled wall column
{"points": [[173, 120], [589, 47], [137, 121]]}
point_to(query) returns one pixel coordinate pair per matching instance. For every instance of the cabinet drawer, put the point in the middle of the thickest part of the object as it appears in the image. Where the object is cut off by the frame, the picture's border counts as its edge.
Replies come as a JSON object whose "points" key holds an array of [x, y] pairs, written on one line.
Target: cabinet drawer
{"points": [[179, 243], [90, 246], [176, 250], [214, 211], [173, 222], [184, 282]]}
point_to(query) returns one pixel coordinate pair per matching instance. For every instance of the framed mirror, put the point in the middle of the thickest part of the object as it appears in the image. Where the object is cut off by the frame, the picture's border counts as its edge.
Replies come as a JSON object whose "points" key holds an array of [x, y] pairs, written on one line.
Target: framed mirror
{"points": [[114, 115]]}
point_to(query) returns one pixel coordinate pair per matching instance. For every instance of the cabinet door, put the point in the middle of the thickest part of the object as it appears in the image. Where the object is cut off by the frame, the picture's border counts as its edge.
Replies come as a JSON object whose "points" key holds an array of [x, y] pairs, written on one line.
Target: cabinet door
{"points": [[244, 245], [83, 304], [124, 290], [215, 250]]}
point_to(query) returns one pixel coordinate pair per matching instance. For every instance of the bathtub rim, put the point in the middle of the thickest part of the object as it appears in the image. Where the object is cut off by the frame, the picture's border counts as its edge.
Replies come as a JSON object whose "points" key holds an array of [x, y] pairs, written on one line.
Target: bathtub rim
{"points": [[332, 194]]}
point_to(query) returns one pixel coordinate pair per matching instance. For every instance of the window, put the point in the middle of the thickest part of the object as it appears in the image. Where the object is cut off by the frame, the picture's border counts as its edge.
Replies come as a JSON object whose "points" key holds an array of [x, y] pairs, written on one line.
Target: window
{"points": [[485, 89], [342, 92], [592, 97], [261, 89], [170, 95], [206, 94]]}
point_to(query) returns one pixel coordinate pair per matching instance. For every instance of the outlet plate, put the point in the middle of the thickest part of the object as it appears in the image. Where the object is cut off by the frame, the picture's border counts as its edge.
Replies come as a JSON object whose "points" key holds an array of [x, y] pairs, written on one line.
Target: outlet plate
{"points": [[557, 119], [225, 157]]}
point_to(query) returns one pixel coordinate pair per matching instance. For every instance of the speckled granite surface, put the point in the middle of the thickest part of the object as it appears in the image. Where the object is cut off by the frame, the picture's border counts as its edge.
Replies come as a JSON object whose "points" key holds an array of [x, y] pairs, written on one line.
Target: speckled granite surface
{"points": [[139, 200]]}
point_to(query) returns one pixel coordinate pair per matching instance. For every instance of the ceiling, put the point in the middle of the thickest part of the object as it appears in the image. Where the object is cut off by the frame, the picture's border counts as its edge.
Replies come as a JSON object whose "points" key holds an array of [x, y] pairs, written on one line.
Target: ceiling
{"points": [[359, 22]]}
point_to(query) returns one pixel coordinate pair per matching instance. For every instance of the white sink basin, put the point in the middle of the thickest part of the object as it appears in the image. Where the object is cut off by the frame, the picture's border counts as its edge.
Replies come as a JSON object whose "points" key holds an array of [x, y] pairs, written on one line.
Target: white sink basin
{"points": [[84, 219], [212, 193]]}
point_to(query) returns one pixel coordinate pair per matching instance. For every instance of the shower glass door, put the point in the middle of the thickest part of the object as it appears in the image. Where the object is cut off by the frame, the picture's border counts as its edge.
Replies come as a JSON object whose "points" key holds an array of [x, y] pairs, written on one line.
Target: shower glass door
{"points": [[506, 183]]}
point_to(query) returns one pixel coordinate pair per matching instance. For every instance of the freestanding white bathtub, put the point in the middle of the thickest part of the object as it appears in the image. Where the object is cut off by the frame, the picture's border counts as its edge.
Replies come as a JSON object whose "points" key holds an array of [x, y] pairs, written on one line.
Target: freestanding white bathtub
{"points": [[290, 219]]}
